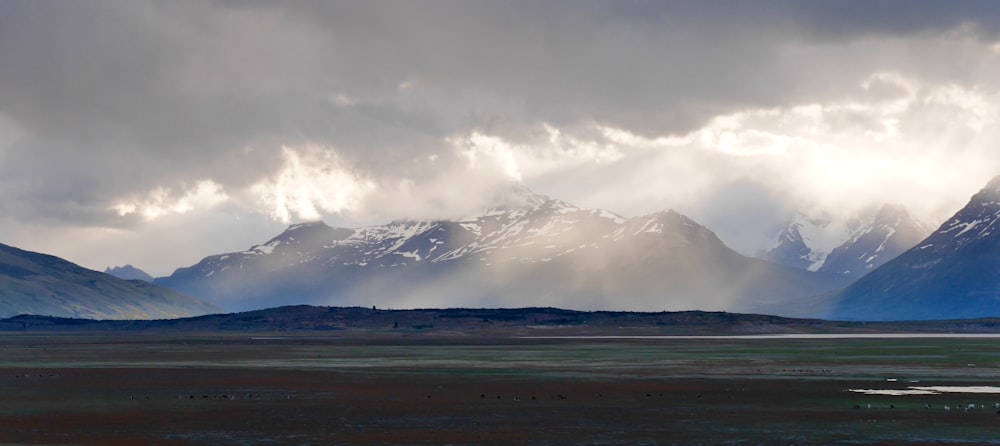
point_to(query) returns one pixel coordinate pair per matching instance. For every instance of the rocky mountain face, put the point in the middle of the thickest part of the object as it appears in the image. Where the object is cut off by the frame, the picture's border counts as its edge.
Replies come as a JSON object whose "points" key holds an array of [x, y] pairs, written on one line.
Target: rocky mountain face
{"points": [[34, 283], [796, 244], [878, 238], [850, 248], [128, 272], [535, 252], [953, 273]]}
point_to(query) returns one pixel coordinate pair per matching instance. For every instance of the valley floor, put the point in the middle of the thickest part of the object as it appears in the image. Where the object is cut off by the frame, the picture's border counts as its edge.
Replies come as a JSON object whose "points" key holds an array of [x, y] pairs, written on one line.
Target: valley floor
{"points": [[242, 389]]}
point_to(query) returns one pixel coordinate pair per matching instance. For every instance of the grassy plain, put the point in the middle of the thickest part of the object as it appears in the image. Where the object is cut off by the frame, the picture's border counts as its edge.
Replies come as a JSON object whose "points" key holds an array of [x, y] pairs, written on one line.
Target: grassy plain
{"points": [[350, 388]]}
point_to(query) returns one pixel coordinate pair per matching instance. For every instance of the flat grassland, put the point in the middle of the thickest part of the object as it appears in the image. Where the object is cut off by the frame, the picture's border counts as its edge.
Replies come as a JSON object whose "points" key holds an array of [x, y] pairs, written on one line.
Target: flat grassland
{"points": [[149, 388]]}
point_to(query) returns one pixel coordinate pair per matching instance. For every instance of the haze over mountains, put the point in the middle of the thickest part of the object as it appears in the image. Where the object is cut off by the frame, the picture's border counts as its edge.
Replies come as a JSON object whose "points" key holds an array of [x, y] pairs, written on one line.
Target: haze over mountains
{"points": [[850, 247], [530, 251], [548, 252], [953, 273]]}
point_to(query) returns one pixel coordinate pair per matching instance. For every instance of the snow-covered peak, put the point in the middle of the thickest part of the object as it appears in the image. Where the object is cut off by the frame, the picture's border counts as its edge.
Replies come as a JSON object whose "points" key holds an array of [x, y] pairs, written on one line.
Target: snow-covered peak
{"points": [[519, 201], [849, 246], [667, 222], [299, 235], [307, 225], [823, 233], [672, 217], [978, 219], [301, 231], [950, 274], [877, 237], [807, 239], [891, 215], [525, 228], [518, 196]]}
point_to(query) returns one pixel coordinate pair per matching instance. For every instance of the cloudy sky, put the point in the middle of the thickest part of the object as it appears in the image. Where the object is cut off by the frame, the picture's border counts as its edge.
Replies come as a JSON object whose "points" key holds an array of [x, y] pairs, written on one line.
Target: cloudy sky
{"points": [[156, 133]]}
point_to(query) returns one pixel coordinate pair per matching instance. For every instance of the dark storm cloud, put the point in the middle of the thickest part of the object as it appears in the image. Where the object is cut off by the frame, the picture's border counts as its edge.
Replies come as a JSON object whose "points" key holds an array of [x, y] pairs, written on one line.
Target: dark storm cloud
{"points": [[213, 74], [106, 101], [881, 17]]}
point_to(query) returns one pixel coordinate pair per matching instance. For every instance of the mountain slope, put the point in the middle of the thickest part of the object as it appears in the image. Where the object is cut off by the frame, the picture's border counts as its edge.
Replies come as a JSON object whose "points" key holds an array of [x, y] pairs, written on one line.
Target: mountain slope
{"points": [[850, 248], [953, 273], [799, 244], [877, 239], [34, 283], [539, 251]]}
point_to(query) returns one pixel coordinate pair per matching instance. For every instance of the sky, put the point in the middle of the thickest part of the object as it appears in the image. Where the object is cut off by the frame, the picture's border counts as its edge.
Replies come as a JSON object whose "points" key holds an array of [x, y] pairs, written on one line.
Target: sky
{"points": [[155, 133]]}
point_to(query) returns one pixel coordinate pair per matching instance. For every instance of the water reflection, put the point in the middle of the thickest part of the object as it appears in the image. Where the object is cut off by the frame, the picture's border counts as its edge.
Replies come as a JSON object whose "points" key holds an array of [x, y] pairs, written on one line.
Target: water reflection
{"points": [[789, 336], [929, 390]]}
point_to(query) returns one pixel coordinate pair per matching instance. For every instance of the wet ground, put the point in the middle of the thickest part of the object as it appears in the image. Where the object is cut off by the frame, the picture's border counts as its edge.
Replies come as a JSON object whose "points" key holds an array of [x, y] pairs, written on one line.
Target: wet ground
{"points": [[235, 389]]}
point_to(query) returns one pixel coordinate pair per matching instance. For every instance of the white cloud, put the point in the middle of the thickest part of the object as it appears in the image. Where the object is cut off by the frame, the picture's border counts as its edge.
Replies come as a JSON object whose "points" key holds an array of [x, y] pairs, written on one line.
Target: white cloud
{"points": [[158, 246], [312, 181], [484, 150], [625, 138], [895, 139], [162, 201], [550, 150], [422, 110], [971, 104]]}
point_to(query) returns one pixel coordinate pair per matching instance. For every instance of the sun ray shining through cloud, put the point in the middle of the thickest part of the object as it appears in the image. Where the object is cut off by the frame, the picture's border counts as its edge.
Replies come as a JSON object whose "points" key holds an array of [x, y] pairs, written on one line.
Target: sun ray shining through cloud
{"points": [[312, 181], [736, 115], [838, 156]]}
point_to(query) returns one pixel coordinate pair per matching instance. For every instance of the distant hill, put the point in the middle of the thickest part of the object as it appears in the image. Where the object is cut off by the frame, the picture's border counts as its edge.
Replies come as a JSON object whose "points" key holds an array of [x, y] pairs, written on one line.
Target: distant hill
{"points": [[528, 250], [34, 283], [953, 273], [510, 322], [128, 272]]}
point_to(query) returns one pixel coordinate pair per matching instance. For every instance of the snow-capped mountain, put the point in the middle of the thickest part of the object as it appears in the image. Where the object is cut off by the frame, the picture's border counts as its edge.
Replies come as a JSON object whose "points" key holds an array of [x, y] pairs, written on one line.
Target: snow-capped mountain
{"points": [[805, 241], [851, 247], [953, 273], [526, 252], [128, 272], [878, 238]]}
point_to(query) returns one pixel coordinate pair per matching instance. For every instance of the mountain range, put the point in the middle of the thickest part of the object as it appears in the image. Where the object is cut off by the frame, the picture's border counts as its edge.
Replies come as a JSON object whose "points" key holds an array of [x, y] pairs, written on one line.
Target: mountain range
{"points": [[34, 283], [531, 250], [852, 247], [953, 273]]}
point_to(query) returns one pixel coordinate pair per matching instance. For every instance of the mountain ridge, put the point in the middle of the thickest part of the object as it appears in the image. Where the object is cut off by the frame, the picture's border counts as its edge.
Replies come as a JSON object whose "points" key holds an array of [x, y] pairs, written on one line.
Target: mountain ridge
{"points": [[542, 251], [459, 322], [952, 273], [128, 272], [852, 247], [37, 283]]}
